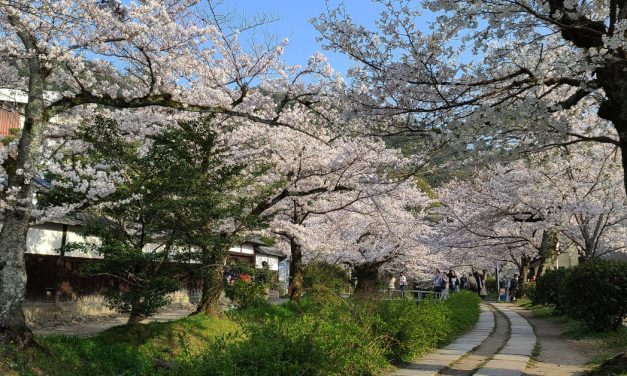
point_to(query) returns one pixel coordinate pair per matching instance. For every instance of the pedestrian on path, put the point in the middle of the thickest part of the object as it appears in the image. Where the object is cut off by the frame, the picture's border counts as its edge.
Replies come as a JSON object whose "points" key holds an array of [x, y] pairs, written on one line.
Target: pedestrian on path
{"points": [[445, 286], [483, 291], [438, 282], [453, 281], [402, 282], [391, 286], [472, 283], [513, 288]]}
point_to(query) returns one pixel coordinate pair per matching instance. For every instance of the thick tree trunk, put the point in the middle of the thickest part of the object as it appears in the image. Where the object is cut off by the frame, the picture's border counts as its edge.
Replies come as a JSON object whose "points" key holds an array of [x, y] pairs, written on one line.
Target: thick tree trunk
{"points": [[614, 81], [548, 251], [296, 271], [523, 271], [367, 278], [19, 171], [212, 286], [134, 319], [13, 280]]}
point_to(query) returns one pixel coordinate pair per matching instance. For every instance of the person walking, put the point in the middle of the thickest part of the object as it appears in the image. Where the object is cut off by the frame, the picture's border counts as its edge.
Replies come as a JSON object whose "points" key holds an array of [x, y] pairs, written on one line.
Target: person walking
{"points": [[402, 282], [472, 283], [391, 286], [483, 291], [513, 288], [445, 286], [438, 281], [463, 282], [453, 281]]}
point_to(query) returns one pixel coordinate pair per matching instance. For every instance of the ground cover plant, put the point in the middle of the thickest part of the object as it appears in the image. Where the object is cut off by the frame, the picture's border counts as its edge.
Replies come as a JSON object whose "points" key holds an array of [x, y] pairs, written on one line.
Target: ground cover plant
{"points": [[139, 350], [323, 335]]}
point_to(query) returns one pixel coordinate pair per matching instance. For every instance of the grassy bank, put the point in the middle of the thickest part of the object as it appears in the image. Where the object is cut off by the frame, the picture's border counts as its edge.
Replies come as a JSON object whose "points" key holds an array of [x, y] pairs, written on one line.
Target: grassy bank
{"points": [[604, 344], [322, 335], [139, 350]]}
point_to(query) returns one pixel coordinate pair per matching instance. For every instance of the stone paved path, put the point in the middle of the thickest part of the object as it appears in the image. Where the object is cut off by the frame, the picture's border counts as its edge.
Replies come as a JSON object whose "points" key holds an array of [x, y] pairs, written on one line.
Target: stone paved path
{"points": [[513, 358], [471, 362], [435, 362], [88, 329]]}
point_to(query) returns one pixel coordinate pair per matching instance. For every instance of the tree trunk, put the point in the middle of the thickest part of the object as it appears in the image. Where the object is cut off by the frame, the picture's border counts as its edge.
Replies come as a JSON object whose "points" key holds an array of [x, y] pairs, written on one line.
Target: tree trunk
{"points": [[548, 251], [296, 271], [523, 271], [134, 318], [614, 107], [367, 278], [19, 171], [212, 286], [13, 280]]}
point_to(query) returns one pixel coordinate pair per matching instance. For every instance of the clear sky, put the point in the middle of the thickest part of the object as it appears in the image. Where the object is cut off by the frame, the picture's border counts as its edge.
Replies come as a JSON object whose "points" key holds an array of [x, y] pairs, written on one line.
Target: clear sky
{"points": [[293, 23]]}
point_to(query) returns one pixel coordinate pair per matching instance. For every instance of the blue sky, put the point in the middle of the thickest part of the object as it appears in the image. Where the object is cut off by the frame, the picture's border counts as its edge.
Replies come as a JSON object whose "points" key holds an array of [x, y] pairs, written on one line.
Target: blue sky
{"points": [[294, 24]]}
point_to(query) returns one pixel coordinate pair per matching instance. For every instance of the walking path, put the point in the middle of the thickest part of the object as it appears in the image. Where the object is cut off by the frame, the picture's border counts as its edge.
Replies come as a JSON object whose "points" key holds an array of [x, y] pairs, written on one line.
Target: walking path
{"points": [[501, 344], [472, 361], [558, 356], [435, 362], [513, 358]]}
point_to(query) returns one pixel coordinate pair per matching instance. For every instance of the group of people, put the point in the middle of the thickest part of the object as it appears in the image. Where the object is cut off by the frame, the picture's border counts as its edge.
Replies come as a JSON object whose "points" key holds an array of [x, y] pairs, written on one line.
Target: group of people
{"points": [[402, 283], [449, 282]]}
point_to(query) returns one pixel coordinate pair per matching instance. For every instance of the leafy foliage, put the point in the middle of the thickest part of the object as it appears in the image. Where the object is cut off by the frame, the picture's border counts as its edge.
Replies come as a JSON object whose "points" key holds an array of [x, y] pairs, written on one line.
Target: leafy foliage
{"points": [[332, 276], [549, 287], [252, 291], [329, 335], [596, 293]]}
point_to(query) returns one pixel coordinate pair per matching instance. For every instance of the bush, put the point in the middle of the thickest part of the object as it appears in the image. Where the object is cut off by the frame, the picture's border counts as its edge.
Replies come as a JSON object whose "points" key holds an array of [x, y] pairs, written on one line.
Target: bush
{"points": [[548, 288], [332, 339], [327, 335], [490, 283], [334, 277], [464, 312], [596, 293], [252, 291], [528, 289], [409, 329]]}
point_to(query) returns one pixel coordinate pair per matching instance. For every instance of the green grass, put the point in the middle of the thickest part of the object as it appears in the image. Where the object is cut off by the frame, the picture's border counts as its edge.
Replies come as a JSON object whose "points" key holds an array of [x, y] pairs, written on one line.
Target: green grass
{"points": [[323, 335], [605, 344], [120, 350]]}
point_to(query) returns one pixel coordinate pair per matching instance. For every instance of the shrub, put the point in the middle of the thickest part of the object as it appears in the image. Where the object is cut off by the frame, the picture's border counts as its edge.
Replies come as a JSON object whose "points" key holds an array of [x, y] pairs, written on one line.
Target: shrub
{"points": [[464, 312], [412, 329], [252, 291], [548, 288], [490, 283], [528, 290], [333, 339], [409, 329], [596, 293], [334, 277]]}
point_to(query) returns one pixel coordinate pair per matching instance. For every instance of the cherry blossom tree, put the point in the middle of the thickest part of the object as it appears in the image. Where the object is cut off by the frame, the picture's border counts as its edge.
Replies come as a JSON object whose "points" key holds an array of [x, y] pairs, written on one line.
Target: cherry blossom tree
{"points": [[514, 211], [385, 232], [84, 57], [502, 75]]}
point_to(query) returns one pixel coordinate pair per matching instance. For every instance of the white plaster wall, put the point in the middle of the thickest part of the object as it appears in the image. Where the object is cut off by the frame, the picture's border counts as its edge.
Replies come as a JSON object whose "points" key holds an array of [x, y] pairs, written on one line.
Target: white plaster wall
{"points": [[74, 236], [244, 249], [44, 239], [273, 261]]}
